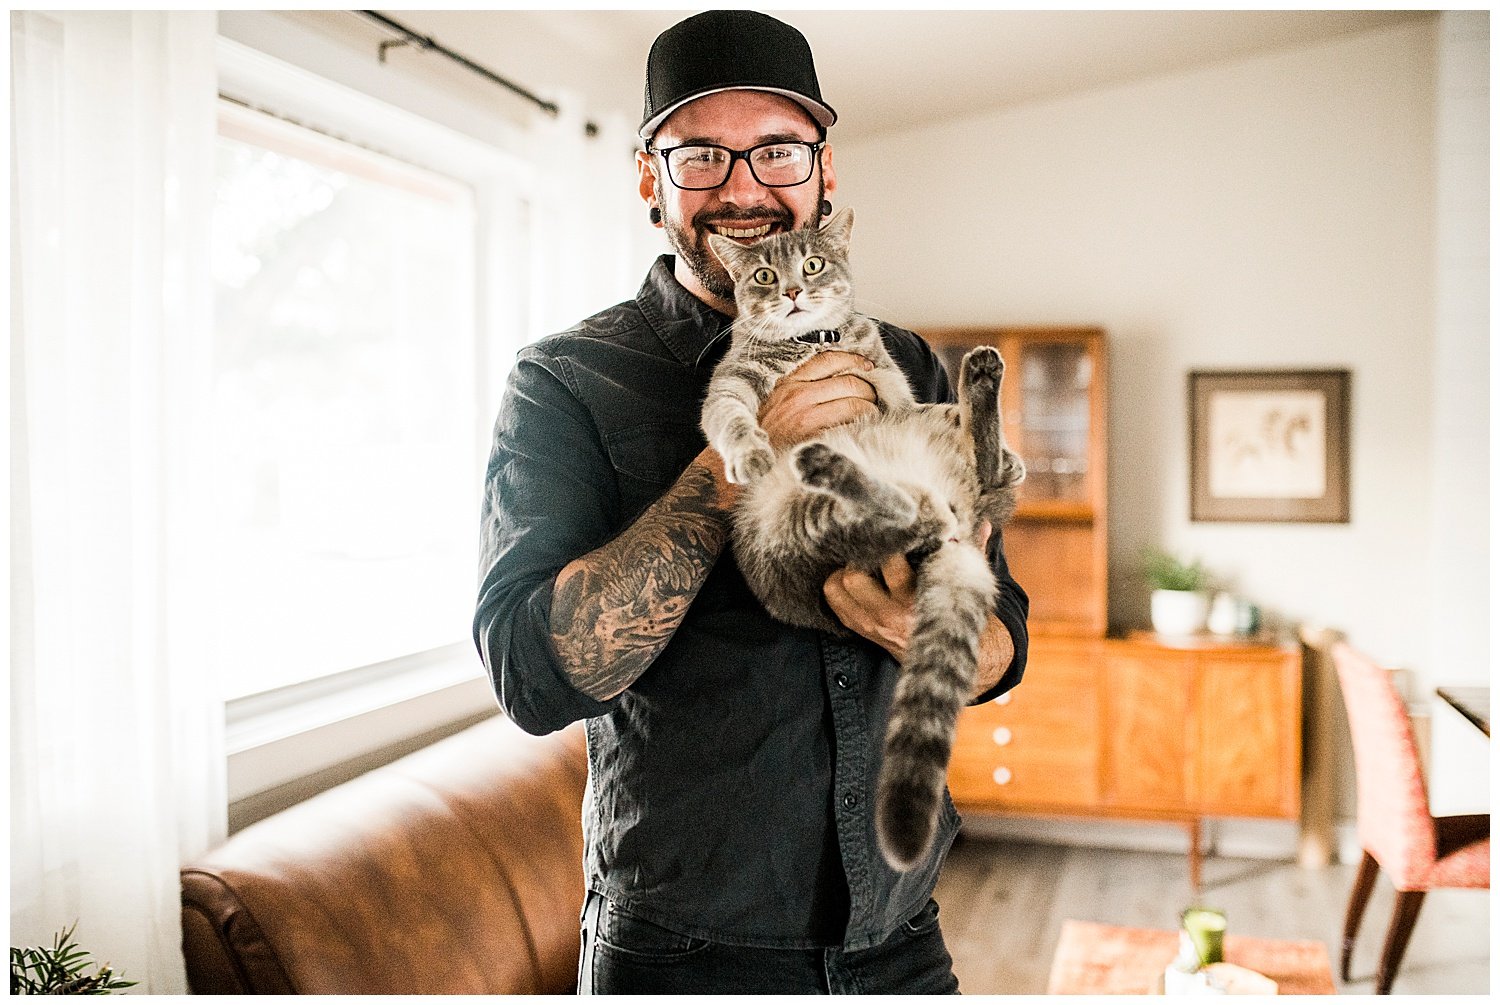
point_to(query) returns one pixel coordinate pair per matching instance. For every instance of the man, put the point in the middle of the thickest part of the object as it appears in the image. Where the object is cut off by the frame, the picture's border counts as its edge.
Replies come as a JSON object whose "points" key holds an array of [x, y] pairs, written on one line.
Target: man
{"points": [[730, 841]]}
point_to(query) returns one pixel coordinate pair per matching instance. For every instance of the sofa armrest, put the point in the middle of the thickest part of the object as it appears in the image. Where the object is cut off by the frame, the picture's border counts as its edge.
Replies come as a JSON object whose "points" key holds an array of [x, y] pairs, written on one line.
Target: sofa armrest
{"points": [[455, 870]]}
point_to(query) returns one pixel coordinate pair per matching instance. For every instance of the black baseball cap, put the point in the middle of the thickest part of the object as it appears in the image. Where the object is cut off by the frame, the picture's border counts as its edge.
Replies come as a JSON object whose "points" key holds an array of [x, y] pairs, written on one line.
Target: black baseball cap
{"points": [[727, 50]]}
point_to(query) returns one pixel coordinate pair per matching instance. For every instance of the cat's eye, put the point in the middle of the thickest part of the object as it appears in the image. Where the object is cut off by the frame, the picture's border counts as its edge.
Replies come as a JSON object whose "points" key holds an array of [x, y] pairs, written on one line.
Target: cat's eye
{"points": [[765, 277], [813, 265]]}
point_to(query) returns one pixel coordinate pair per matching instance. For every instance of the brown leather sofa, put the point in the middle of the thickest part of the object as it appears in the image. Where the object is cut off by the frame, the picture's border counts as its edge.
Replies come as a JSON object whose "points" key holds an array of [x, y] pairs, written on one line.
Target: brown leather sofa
{"points": [[455, 870]]}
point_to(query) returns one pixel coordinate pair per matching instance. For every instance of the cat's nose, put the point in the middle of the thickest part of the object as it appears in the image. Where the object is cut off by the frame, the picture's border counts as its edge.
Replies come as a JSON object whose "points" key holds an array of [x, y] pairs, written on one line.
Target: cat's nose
{"points": [[791, 294]]}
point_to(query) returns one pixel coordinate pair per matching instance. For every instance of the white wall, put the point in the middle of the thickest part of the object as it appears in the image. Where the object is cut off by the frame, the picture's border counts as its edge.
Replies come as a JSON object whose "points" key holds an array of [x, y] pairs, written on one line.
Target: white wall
{"points": [[1461, 358], [1459, 777], [1271, 212]]}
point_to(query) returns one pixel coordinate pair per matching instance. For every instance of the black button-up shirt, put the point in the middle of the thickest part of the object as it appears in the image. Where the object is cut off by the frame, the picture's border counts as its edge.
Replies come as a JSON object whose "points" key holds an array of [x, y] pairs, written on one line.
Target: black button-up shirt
{"points": [[731, 787]]}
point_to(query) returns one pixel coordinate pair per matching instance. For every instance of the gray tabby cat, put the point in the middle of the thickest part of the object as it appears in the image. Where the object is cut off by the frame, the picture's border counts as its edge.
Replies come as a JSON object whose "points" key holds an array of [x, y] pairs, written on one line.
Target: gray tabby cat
{"points": [[913, 479]]}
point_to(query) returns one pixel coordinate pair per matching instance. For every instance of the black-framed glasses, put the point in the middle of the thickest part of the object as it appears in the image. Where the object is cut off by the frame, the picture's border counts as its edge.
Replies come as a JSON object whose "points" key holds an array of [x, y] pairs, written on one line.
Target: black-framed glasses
{"points": [[700, 166]]}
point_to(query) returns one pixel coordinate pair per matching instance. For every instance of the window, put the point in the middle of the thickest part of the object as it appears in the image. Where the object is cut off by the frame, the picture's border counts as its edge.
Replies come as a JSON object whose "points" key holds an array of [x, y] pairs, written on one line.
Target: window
{"points": [[371, 291], [343, 405]]}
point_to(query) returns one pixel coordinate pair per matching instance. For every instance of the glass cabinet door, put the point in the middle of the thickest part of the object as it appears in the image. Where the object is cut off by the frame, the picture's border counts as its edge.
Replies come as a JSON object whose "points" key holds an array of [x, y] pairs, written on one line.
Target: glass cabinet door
{"points": [[1049, 426]]}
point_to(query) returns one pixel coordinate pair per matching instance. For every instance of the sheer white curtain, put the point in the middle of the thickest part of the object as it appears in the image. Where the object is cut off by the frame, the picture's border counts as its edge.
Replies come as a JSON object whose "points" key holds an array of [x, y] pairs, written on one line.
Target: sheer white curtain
{"points": [[116, 729]]}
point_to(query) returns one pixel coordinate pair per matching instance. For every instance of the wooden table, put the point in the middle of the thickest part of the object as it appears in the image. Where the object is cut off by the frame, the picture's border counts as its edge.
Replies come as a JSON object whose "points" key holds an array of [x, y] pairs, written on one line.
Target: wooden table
{"points": [[1473, 703], [1096, 959]]}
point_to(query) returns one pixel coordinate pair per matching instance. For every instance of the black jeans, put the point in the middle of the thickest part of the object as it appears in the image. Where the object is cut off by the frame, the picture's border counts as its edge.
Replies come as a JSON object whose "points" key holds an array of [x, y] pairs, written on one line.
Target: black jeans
{"points": [[623, 954]]}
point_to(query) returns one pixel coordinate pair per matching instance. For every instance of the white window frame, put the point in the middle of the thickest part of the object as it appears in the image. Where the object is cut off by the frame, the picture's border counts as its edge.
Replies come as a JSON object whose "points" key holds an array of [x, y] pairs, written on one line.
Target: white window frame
{"points": [[295, 731]]}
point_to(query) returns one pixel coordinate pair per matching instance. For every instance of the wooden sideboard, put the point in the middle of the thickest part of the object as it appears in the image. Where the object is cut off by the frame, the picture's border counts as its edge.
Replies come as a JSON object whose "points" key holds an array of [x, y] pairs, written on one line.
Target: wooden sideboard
{"points": [[1139, 728]]}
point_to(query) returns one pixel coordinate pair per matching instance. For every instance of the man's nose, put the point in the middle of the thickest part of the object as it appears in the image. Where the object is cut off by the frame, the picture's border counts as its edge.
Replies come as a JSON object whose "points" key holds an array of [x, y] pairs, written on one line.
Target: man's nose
{"points": [[740, 187]]}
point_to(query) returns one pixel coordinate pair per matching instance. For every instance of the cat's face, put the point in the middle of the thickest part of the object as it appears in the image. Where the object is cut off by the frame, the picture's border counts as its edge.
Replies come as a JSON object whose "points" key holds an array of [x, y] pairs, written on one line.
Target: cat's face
{"points": [[794, 282]]}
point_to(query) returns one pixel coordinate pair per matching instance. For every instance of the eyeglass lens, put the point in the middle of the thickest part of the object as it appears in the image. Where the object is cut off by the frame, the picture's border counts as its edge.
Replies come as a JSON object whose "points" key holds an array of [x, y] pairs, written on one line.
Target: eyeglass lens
{"points": [[773, 164]]}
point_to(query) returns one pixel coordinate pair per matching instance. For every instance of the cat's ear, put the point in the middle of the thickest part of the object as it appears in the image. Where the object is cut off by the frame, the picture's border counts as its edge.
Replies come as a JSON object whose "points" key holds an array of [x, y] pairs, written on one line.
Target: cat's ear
{"points": [[837, 230], [734, 255]]}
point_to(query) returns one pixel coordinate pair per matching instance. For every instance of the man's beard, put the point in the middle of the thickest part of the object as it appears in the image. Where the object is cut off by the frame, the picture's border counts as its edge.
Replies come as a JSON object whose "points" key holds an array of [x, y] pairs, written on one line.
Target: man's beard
{"points": [[690, 240]]}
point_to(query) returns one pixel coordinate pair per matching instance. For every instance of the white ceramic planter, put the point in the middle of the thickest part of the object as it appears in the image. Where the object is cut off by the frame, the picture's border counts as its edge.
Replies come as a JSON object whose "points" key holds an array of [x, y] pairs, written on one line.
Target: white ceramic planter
{"points": [[1178, 612]]}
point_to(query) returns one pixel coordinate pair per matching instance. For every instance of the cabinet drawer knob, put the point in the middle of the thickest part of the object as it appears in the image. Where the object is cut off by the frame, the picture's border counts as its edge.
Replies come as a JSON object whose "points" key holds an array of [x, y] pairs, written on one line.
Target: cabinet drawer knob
{"points": [[1002, 736], [1002, 775], [1003, 699]]}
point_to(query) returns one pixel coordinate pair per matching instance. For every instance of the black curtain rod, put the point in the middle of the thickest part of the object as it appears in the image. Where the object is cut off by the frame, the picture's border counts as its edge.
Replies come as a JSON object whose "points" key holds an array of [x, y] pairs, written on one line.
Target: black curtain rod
{"points": [[411, 37]]}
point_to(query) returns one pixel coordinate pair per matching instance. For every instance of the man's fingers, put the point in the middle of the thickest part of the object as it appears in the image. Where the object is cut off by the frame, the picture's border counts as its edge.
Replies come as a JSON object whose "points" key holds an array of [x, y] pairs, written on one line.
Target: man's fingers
{"points": [[828, 364], [794, 411], [860, 587], [847, 387], [836, 592], [828, 414], [863, 604], [896, 571]]}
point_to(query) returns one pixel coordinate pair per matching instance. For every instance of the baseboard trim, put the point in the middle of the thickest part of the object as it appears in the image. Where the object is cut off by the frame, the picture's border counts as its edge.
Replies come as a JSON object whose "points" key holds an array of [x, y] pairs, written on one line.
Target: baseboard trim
{"points": [[1254, 839]]}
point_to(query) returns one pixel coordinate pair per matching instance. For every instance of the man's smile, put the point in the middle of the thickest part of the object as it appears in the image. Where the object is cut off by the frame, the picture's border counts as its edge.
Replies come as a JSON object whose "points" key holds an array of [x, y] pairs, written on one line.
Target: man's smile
{"points": [[742, 233]]}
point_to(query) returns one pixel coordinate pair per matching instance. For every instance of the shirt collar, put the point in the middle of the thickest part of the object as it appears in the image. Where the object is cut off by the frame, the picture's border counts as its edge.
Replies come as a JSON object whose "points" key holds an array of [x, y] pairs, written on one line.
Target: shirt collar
{"points": [[686, 325]]}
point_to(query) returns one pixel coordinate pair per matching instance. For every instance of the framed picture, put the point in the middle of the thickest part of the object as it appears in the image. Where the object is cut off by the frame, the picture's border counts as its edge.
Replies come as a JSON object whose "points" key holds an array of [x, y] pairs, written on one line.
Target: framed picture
{"points": [[1269, 446]]}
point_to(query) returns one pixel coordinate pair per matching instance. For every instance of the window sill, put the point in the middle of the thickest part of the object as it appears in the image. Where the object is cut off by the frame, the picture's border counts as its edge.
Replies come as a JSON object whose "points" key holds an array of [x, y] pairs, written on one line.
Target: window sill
{"points": [[291, 733]]}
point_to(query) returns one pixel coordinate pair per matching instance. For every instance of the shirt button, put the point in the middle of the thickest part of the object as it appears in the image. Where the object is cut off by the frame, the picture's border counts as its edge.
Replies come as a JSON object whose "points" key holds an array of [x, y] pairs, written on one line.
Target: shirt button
{"points": [[842, 680], [850, 800]]}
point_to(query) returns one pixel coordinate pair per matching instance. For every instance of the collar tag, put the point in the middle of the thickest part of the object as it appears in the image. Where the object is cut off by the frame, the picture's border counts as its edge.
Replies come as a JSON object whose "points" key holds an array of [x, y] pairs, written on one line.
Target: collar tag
{"points": [[822, 336]]}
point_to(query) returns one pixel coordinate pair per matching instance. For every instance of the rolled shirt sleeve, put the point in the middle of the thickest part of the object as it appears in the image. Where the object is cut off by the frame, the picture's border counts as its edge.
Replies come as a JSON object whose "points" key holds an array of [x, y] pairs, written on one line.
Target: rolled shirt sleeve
{"points": [[548, 498]]}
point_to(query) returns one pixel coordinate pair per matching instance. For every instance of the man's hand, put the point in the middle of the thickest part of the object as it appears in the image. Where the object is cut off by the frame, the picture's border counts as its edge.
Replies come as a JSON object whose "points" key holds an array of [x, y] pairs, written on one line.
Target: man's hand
{"points": [[880, 607], [825, 391]]}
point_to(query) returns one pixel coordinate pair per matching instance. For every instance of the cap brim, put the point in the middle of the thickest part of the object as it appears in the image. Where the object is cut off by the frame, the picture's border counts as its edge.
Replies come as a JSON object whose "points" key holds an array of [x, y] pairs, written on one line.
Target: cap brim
{"points": [[821, 113]]}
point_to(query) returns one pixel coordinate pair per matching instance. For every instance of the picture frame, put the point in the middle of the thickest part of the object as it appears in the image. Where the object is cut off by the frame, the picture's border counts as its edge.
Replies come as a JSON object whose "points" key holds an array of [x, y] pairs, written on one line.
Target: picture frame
{"points": [[1269, 446]]}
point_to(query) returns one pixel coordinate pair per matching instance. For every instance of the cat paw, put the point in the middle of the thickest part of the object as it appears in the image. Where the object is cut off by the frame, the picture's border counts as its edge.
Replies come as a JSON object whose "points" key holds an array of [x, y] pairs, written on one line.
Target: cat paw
{"points": [[822, 467], [744, 466], [983, 363], [1012, 471]]}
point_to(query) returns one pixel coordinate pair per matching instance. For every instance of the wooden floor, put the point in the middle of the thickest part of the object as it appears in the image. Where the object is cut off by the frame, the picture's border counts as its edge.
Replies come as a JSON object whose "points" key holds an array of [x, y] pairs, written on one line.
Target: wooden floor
{"points": [[1003, 904]]}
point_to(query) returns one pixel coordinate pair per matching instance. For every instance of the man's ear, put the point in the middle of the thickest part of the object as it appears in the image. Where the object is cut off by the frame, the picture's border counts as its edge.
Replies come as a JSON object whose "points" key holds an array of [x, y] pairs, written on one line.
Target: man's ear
{"points": [[830, 176], [735, 256], [645, 177]]}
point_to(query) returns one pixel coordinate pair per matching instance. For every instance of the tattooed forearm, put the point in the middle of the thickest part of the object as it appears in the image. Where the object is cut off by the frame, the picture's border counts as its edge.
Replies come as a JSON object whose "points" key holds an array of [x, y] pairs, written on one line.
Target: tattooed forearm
{"points": [[614, 609]]}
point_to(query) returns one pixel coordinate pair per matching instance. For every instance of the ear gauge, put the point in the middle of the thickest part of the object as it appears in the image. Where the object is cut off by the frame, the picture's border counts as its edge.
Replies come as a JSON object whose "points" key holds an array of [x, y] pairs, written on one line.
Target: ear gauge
{"points": [[655, 214], [826, 209]]}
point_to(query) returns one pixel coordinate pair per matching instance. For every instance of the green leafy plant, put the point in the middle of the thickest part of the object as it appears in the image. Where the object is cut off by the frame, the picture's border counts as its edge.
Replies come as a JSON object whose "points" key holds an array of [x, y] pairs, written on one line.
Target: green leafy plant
{"points": [[1165, 571], [59, 970]]}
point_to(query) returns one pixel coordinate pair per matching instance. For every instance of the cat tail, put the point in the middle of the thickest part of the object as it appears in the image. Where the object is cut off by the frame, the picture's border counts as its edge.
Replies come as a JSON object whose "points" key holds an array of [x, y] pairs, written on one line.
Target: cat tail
{"points": [[955, 591]]}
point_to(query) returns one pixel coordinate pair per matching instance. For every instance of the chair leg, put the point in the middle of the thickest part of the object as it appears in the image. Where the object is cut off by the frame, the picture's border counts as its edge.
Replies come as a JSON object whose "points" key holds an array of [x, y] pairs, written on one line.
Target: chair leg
{"points": [[1364, 882], [1403, 920]]}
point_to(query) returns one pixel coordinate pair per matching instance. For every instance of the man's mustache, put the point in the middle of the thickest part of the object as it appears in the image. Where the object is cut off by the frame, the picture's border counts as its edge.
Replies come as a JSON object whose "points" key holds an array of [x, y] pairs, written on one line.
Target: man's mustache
{"points": [[739, 215]]}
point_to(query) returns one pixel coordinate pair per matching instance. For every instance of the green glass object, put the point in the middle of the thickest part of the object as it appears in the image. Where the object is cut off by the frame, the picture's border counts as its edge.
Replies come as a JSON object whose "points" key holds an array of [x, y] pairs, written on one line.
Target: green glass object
{"points": [[1205, 926]]}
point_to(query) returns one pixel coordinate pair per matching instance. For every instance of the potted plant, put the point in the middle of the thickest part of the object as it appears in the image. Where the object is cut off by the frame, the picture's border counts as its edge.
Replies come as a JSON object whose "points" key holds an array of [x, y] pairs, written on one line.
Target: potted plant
{"points": [[1179, 603], [59, 970]]}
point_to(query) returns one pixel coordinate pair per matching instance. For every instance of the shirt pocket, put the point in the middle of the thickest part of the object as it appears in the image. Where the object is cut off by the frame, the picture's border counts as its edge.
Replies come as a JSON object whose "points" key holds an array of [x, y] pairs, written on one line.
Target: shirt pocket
{"points": [[649, 456]]}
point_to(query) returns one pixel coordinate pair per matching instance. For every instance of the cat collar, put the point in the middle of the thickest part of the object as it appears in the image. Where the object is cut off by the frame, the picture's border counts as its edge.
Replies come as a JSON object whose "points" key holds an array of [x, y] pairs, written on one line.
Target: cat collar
{"points": [[822, 336]]}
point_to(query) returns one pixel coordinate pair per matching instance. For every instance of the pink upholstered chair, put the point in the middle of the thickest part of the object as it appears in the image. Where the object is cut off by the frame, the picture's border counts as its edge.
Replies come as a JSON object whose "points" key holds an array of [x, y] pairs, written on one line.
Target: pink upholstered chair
{"points": [[1399, 834]]}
